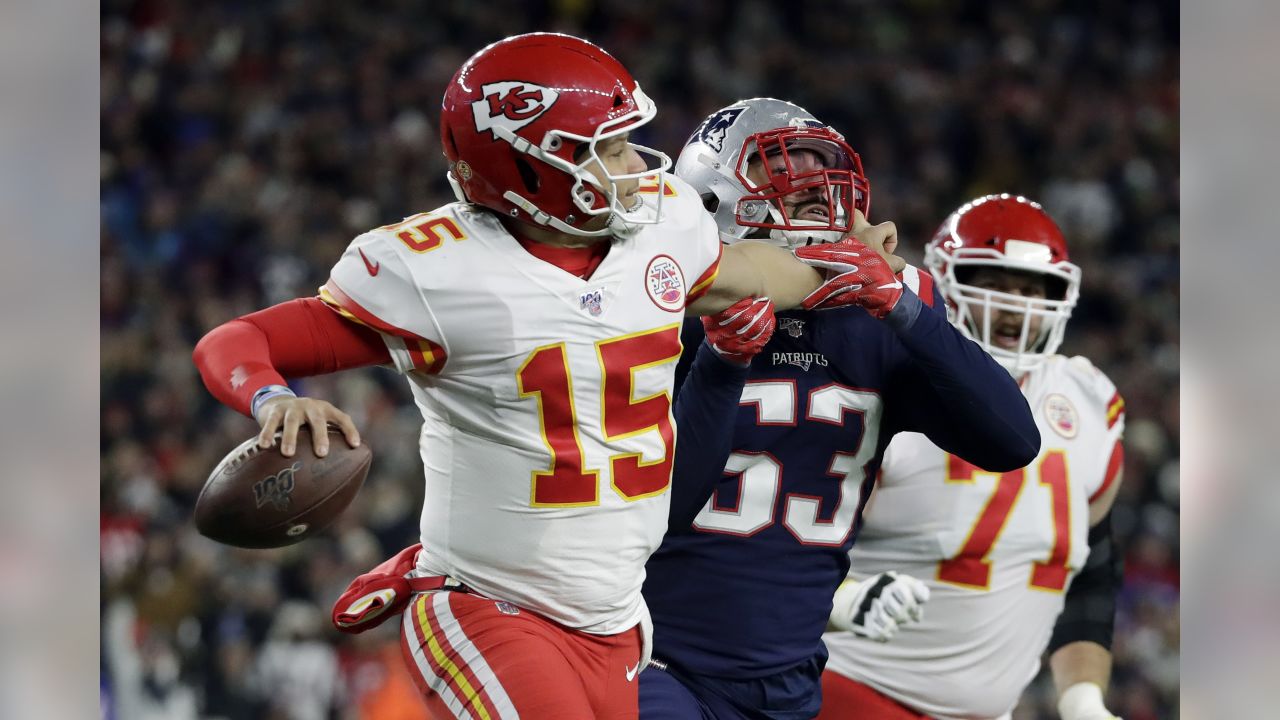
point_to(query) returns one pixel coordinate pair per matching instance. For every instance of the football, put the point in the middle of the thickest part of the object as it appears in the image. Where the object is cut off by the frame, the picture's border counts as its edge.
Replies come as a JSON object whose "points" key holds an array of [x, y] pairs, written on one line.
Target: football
{"points": [[258, 498]]}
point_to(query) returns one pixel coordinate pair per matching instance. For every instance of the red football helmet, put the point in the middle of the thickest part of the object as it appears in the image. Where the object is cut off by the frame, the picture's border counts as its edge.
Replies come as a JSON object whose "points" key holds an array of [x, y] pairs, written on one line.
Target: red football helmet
{"points": [[520, 123], [1012, 233]]}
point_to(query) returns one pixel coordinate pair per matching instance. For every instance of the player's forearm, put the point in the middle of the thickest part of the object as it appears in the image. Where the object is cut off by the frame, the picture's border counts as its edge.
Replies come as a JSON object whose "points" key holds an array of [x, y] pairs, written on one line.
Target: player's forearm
{"points": [[754, 269], [985, 416], [785, 279], [234, 360], [1079, 662], [298, 338], [1081, 671], [705, 410]]}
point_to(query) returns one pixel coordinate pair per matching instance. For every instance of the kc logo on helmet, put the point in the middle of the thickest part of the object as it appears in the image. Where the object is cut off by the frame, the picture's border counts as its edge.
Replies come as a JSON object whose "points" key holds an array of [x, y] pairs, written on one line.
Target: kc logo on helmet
{"points": [[510, 105]]}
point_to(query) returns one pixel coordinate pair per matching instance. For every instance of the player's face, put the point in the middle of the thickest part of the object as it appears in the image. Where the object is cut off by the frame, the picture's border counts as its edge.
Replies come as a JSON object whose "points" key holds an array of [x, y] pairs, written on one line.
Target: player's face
{"points": [[1006, 325], [807, 204], [618, 157]]}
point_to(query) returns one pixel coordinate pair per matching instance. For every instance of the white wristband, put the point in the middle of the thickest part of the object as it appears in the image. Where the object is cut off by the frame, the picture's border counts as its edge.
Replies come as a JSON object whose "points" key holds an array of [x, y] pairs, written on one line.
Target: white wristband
{"points": [[266, 393], [1082, 700]]}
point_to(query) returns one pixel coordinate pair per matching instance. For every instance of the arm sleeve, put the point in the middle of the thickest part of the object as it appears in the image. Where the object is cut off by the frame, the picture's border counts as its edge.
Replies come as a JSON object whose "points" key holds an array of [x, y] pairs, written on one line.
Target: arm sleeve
{"points": [[1089, 610], [298, 338], [957, 395], [705, 411]]}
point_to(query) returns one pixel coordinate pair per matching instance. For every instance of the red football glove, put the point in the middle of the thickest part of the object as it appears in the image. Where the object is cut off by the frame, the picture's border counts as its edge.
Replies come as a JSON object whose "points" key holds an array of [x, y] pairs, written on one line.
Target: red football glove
{"points": [[741, 331], [856, 275], [376, 595]]}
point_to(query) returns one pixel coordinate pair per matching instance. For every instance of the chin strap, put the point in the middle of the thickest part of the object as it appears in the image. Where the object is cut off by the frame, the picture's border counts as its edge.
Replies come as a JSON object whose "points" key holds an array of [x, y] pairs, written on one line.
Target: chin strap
{"points": [[792, 239], [641, 214], [800, 236]]}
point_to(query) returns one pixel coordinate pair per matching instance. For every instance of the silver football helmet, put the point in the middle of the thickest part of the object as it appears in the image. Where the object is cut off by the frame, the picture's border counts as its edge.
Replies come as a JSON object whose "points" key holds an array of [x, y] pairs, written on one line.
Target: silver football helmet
{"points": [[786, 198]]}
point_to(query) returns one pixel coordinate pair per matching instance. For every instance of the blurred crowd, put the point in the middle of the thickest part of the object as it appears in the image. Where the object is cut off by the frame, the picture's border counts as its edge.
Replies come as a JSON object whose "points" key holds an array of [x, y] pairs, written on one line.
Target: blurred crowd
{"points": [[244, 143]]}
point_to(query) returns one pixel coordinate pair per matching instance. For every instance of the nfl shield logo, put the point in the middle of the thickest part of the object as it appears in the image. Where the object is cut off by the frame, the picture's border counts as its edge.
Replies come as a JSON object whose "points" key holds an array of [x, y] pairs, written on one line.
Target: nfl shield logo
{"points": [[791, 326], [591, 301], [506, 608]]}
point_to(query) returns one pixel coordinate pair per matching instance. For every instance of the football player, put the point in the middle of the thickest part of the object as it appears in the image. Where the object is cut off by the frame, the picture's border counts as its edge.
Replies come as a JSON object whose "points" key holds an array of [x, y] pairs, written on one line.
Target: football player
{"points": [[741, 588], [537, 322], [1015, 562]]}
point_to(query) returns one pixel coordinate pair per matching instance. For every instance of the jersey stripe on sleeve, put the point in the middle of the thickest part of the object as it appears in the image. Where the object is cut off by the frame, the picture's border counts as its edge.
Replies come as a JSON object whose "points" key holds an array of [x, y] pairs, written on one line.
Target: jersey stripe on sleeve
{"points": [[921, 283], [1115, 410], [926, 287], [704, 281], [1113, 469], [423, 354]]}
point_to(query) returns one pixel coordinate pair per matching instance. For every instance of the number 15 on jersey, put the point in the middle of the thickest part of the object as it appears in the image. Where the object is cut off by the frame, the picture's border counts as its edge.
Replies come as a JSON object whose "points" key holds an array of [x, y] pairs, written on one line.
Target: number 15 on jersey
{"points": [[545, 376]]}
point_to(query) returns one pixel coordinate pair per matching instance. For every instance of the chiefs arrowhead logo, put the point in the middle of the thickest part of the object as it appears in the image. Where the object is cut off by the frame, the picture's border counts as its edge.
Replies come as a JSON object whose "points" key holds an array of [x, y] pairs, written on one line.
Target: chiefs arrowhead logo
{"points": [[510, 105]]}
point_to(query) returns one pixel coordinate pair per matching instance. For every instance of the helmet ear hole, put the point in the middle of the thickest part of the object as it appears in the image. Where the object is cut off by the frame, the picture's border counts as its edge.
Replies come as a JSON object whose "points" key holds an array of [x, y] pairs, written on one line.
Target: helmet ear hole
{"points": [[710, 202], [617, 100], [528, 176]]}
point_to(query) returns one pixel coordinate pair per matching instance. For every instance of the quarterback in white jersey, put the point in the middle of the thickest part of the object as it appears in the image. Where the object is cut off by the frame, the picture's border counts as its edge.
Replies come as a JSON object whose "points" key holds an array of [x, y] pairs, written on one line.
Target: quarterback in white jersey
{"points": [[998, 552], [545, 397], [538, 322]]}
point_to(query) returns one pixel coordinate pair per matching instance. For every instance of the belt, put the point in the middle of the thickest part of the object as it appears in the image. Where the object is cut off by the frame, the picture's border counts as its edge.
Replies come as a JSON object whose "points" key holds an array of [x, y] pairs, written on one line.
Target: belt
{"points": [[436, 582]]}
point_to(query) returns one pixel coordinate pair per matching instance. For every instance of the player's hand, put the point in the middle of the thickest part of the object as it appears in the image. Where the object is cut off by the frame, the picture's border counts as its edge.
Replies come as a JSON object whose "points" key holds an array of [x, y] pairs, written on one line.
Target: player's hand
{"points": [[288, 414], [857, 275], [1083, 701], [882, 237], [741, 331], [876, 607]]}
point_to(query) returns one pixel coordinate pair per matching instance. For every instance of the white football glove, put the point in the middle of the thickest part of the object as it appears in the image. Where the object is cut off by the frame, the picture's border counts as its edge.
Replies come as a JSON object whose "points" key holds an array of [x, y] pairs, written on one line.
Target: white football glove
{"points": [[1083, 701], [876, 607]]}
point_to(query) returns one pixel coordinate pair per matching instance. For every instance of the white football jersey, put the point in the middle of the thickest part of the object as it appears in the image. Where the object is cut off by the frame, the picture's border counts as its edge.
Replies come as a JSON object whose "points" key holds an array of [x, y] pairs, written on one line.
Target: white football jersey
{"points": [[547, 436], [997, 551]]}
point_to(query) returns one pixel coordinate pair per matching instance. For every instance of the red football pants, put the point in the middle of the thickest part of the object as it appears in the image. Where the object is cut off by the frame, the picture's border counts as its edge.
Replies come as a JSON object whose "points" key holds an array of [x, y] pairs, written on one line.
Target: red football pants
{"points": [[475, 657], [846, 699]]}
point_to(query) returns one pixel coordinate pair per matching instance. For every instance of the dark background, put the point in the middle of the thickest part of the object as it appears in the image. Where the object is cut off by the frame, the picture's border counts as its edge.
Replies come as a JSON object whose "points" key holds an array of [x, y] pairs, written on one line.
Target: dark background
{"points": [[245, 143]]}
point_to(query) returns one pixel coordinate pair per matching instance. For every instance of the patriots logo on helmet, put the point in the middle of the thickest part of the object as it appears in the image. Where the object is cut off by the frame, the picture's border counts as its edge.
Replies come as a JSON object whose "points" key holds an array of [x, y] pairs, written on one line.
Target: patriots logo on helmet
{"points": [[511, 105], [713, 129]]}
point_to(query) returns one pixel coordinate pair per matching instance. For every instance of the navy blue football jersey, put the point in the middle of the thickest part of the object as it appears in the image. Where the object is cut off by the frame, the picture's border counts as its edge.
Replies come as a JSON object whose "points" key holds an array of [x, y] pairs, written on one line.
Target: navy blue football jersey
{"points": [[746, 591]]}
